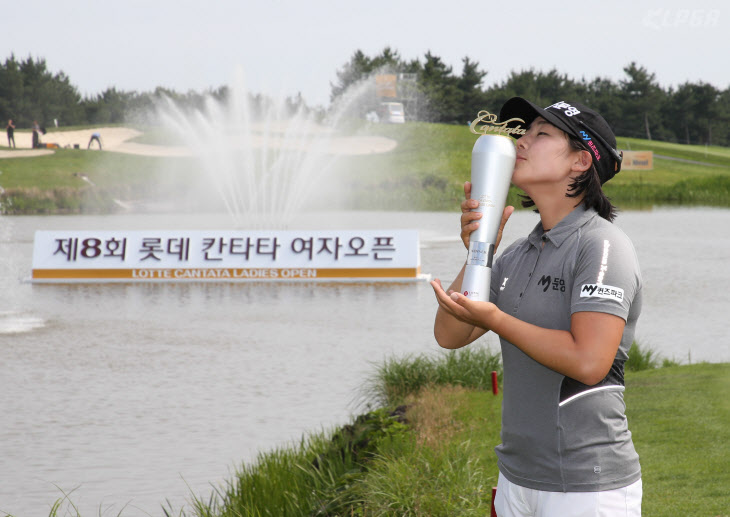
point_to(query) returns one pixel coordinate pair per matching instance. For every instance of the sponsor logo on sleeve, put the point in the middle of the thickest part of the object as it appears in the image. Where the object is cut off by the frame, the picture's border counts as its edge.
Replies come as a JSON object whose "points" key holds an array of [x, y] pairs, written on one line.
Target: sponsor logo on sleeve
{"points": [[602, 291]]}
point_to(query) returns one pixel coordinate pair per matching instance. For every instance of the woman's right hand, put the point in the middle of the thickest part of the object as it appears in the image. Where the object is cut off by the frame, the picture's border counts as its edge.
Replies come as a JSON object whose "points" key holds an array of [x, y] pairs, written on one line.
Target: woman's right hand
{"points": [[470, 220]]}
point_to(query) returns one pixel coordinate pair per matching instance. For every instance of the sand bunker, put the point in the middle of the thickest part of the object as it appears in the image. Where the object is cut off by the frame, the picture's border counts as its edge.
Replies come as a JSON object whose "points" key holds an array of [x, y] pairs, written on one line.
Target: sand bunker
{"points": [[111, 137], [116, 139]]}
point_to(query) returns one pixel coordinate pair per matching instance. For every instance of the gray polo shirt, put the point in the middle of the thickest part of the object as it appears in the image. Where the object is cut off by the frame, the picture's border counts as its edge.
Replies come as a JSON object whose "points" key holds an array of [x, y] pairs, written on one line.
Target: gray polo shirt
{"points": [[557, 433]]}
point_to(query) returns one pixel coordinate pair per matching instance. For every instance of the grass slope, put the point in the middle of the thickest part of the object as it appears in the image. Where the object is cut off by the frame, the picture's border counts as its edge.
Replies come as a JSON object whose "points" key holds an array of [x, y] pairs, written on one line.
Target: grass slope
{"points": [[433, 455], [443, 462], [680, 419], [425, 171]]}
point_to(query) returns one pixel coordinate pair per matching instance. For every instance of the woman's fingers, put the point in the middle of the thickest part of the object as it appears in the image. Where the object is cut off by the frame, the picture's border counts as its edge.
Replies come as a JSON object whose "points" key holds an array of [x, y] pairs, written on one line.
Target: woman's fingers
{"points": [[467, 189], [468, 205], [469, 219], [449, 301], [470, 222]]}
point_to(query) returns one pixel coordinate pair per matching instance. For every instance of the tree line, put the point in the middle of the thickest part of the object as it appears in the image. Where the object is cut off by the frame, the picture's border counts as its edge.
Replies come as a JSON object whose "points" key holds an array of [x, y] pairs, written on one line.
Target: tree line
{"points": [[636, 106], [29, 92]]}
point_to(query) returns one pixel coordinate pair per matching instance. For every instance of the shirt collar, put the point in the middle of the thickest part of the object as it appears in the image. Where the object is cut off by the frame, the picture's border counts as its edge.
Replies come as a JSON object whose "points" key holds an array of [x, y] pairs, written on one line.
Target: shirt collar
{"points": [[564, 229]]}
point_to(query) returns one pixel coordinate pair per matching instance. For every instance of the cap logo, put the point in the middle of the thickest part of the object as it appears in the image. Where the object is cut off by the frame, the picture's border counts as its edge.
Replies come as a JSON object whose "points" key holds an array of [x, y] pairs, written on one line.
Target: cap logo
{"points": [[568, 110], [487, 123]]}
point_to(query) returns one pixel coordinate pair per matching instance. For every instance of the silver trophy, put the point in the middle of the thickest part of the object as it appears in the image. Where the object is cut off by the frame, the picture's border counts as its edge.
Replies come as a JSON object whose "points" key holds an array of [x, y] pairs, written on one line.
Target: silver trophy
{"points": [[492, 163]]}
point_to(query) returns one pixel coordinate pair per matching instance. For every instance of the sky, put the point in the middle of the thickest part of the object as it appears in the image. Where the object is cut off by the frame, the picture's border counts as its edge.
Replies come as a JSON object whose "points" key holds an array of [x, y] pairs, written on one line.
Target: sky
{"points": [[286, 47]]}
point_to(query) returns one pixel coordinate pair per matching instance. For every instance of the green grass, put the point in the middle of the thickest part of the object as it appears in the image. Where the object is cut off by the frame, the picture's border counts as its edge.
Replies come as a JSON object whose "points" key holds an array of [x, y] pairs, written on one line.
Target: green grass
{"points": [[62, 169], [680, 417], [317, 476], [645, 358], [426, 171], [443, 463], [709, 154], [445, 466], [395, 379], [55, 183], [428, 168]]}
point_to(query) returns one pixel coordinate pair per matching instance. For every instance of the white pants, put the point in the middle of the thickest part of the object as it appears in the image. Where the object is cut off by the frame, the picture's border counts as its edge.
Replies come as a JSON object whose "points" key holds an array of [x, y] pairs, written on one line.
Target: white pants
{"points": [[516, 501]]}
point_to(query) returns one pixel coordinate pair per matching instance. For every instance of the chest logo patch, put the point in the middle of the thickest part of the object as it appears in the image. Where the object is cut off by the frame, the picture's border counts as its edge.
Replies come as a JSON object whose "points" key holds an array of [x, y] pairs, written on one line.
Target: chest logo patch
{"points": [[547, 282], [602, 291], [504, 284]]}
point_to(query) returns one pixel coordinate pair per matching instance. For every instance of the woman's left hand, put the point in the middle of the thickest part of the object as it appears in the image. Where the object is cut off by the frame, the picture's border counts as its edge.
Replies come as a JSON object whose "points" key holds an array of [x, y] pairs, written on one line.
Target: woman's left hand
{"points": [[476, 313]]}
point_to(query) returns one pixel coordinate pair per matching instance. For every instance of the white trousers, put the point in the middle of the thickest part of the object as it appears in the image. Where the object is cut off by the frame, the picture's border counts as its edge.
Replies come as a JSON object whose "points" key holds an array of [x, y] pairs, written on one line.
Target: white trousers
{"points": [[516, 501]]}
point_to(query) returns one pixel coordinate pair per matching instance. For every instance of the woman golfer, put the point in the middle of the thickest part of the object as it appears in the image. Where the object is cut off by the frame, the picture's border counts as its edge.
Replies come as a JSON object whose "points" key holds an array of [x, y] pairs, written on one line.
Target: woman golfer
{"points": [[564, 301]]}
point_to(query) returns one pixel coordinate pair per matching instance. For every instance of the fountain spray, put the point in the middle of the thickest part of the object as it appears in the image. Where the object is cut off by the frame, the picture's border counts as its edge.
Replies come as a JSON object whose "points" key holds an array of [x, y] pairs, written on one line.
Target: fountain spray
{"points": [[492, 163]]}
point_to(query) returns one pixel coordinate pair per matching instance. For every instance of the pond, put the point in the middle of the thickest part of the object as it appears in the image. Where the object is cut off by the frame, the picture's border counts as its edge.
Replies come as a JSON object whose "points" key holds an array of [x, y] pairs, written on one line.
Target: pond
{"points": [[139, 393]]}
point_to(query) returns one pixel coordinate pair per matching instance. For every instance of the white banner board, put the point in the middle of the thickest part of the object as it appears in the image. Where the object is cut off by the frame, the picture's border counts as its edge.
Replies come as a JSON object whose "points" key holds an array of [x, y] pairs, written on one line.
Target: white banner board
{"points": [[232, 255]]}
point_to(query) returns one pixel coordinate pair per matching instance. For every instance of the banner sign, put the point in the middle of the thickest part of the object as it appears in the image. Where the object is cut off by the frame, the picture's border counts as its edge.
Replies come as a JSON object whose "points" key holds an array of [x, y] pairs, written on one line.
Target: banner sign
{"points": [[235, 255], [638, 160]]}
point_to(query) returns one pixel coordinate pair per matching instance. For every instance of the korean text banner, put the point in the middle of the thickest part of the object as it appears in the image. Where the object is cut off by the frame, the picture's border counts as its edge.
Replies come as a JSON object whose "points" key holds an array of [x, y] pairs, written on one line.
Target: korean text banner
{"points": [[67, 256]]}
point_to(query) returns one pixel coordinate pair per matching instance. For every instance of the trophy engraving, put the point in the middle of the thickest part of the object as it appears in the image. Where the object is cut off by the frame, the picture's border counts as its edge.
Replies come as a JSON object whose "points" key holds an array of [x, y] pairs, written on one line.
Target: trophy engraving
{"points": [[487, 123]]}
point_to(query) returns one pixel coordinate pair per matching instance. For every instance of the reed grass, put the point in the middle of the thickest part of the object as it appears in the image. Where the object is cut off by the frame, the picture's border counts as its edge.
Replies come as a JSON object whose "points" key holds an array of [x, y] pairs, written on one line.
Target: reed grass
{"points": [[645, 358], [315, 477], [59, 200], [447, 465], [396, 378]]}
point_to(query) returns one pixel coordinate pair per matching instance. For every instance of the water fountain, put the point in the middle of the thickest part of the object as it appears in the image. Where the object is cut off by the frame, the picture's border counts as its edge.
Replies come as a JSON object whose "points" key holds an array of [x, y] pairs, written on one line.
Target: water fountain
{"points": [[266, 161]]}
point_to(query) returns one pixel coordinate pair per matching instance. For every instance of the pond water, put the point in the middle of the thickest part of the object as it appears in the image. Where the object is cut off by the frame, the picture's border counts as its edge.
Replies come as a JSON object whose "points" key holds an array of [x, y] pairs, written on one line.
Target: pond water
{"points": [[134, 394]]}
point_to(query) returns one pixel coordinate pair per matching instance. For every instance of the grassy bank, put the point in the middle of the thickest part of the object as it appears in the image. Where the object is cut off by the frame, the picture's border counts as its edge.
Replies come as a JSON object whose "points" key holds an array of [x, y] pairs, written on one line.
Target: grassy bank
{"points": [[78, 181], [431, 453], [428, 449], [426, 171]]}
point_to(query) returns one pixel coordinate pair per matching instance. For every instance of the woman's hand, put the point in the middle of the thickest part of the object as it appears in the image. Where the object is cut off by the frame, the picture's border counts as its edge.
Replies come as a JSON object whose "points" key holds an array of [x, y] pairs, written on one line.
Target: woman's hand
{"points": [[479, 314], [470, 220]]}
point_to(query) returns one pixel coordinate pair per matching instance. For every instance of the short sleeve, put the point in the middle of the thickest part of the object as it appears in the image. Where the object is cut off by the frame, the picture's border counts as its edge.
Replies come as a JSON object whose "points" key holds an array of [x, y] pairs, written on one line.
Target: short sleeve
{"points": [[607, 276]]}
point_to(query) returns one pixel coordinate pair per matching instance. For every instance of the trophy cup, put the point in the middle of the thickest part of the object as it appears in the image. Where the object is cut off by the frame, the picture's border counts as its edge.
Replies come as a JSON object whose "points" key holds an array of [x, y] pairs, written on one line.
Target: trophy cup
{"points": [[492, 163]]}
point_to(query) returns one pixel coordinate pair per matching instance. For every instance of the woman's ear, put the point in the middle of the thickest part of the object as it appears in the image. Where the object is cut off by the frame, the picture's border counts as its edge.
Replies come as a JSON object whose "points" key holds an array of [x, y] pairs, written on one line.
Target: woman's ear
{"points": [[583, 161]]}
